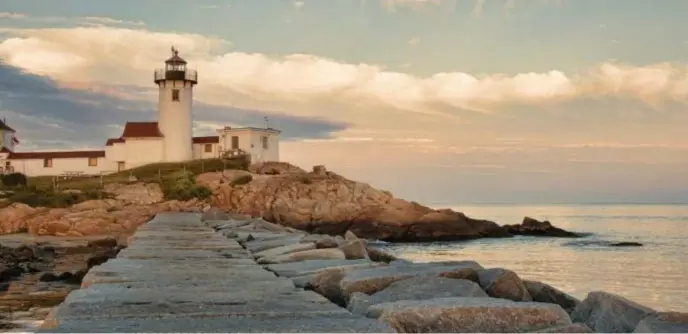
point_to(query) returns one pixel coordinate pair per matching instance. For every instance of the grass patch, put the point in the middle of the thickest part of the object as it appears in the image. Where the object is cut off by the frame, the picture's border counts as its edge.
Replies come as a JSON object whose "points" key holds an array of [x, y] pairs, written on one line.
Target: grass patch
{"points": [[36, 197], [241, 180], [149, 173], [182, 186]]}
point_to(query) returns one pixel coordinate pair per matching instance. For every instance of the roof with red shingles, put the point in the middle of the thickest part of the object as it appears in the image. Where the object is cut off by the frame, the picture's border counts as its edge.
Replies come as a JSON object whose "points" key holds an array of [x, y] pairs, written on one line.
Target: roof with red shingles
{"points": [[55, 155], [141, 130], [206, 140], [112, 141]]}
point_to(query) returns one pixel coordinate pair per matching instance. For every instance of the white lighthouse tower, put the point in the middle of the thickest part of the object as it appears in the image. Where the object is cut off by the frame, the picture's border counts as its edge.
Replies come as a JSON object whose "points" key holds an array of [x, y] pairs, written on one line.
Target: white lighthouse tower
{"points": [[175, 104]]}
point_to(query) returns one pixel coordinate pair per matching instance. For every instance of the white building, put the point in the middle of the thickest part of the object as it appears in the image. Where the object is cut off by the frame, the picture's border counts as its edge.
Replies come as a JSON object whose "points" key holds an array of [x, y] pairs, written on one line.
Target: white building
{"points": [[170, 139]]}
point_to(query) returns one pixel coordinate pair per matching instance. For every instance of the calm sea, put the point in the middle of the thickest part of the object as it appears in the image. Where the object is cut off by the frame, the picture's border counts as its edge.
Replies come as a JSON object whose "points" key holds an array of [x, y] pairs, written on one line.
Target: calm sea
{"points": [[655, 275]]}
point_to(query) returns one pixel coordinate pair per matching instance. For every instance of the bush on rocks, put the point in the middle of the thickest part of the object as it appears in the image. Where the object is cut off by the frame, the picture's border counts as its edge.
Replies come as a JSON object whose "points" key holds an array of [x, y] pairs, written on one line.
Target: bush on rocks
{"points": [[13, 180], [182, 186], [52, 198]]}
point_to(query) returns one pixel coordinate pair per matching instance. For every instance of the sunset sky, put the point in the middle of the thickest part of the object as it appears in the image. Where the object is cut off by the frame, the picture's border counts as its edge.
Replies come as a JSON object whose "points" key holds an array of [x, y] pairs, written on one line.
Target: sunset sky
{"points": [[439, 101]]}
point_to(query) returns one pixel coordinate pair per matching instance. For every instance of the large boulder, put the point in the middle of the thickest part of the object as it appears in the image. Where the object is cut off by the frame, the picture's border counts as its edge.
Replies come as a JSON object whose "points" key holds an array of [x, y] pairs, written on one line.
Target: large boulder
{"points": [[663, 322], [536, 228], [572, 328], [544, 293], [311, 254], [608, 313], [298, 247], [326, 203], [370, 281], [354, 249], [100, 217], [13, 217], [416, 288], [468, 315], [136, 193], [503, 283]]}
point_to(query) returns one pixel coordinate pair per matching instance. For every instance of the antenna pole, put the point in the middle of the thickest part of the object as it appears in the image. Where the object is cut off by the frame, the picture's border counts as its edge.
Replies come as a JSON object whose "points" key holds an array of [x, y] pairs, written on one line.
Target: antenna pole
{"points": [[266, 122]]}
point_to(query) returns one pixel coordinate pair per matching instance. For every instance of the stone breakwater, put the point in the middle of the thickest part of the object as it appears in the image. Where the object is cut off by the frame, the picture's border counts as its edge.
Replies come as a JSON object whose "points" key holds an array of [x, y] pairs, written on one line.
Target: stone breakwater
{"points": [[237, 274]]}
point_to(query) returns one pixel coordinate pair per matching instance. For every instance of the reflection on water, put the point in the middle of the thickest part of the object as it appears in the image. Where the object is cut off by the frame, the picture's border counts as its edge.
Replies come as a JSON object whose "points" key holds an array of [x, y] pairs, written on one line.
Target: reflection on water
{"points": [[653, 275]]}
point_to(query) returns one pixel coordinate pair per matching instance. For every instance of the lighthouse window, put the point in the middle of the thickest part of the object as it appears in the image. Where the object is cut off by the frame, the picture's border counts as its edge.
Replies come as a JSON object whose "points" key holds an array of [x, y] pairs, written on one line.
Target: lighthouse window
{"points": [[175, 95], [265, 142], [208, 148]]}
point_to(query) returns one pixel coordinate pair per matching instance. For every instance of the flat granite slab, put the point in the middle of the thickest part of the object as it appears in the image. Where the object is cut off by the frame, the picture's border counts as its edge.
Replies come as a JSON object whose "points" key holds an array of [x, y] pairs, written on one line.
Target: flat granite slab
{"points": [[238, 276], [176, 253], [199, 283], [198, 295], [179, 275], [125, 263], [267, 307], [251, 324]]}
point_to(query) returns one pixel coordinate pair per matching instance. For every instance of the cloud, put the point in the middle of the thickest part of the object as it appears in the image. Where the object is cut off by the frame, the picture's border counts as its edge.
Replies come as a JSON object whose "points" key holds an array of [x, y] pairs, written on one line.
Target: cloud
{"points": [[392, 5], [11, 16], [101, 20], [79, 20], [42, 110], [299, 3], [88, 54], [413, 41], [478, 8]]}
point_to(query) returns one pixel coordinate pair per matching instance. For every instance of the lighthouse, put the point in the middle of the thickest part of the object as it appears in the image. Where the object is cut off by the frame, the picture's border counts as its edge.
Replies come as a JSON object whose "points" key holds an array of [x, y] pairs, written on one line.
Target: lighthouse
{"points": [[175, 104]]}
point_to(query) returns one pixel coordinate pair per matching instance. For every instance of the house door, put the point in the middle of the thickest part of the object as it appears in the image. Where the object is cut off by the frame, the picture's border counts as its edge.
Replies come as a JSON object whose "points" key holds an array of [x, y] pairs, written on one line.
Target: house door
{"points": [[120, 166], [235, 142]]}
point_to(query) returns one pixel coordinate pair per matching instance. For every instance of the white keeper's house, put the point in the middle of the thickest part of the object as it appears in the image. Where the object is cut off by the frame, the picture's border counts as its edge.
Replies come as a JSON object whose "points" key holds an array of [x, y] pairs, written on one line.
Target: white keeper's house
{"points": [[170, 139]]}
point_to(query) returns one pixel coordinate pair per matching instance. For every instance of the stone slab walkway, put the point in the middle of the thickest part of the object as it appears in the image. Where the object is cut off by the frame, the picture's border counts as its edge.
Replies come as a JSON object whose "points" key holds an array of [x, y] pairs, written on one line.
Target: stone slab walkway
{"points": [[179, 275]]}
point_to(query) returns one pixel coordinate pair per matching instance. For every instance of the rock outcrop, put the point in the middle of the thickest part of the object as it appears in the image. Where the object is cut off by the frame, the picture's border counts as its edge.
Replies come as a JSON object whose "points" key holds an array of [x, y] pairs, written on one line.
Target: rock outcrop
{"points": [[132, 206], [451, 296], [536, 228], [608, 313], [324, 202]]}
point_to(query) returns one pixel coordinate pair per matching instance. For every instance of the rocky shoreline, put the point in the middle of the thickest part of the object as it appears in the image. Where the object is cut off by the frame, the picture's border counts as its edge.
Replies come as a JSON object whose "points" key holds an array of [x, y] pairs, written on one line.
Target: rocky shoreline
{"points": [[454, 296], [37, 273]]}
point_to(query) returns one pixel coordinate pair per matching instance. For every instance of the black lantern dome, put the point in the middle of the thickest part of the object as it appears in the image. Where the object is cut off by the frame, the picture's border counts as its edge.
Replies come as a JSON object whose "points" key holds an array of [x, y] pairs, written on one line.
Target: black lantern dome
{"points": [[175, 69]]}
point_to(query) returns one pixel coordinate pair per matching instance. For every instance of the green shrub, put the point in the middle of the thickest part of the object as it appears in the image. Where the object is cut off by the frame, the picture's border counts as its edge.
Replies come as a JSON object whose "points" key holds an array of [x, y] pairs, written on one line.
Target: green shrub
{"points": [[13, 180], [241, 180], [182, 186], [54, 199]]}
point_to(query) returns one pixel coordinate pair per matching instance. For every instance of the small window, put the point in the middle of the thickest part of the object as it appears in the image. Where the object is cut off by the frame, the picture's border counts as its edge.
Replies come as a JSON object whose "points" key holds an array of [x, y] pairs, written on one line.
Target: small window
{"points": [[93, 162], [208, 148], [265, 142], [175, 95], [235, 142], [47, 163]]}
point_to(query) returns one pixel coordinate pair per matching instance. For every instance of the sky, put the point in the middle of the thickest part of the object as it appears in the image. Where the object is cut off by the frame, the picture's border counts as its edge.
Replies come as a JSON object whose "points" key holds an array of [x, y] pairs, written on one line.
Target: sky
{"points": [[439, 101]]}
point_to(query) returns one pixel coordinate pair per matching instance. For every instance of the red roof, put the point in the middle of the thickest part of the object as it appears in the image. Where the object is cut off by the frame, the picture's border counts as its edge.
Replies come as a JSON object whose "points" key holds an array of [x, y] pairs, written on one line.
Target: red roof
{"points": [[111, 141], [4, 149], [56, 155], [141, 130], [206, 140]]}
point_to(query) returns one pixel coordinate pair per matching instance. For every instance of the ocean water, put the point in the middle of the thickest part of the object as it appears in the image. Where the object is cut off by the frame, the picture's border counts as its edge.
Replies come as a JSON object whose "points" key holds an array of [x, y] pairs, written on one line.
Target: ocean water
{"points": [[655, 275]]}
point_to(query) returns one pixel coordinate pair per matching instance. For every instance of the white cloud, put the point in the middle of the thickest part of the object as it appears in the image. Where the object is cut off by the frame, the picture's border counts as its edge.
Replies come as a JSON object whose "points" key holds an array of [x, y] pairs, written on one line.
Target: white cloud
{"points": [[109, 21], [11, 16], [414, 4], [126, 56], [299, 3]]}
